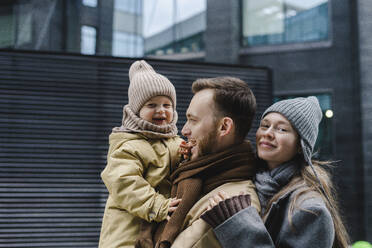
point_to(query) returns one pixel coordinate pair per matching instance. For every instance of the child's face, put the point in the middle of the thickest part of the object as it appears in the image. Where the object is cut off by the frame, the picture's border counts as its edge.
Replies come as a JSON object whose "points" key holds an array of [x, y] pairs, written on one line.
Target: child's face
{"points": [[158, 110]]}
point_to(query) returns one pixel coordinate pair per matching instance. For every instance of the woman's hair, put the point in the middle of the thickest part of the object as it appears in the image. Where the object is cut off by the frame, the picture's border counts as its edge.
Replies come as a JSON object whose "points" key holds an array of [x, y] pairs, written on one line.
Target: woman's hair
{"points": [[305, 181]]}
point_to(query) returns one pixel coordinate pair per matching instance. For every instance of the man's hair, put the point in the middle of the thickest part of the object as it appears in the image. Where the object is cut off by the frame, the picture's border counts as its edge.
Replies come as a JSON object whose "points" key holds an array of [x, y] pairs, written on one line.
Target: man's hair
{"points": [[233, 98]]}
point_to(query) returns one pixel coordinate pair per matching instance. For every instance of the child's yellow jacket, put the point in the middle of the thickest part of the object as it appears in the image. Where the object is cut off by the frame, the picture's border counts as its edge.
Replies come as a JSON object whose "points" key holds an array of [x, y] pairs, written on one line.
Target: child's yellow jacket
{"points": [[137, 178]]}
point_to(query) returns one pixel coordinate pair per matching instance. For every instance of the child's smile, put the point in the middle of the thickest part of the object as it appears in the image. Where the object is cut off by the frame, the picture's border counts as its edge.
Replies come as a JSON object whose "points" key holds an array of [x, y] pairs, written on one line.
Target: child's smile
{"points": [[158, 110]]}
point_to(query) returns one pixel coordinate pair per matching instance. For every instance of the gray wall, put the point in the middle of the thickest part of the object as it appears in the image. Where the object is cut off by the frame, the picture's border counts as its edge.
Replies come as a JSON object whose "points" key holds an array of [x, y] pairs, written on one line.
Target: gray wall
{"points": [[222, 33], [365, 50]]}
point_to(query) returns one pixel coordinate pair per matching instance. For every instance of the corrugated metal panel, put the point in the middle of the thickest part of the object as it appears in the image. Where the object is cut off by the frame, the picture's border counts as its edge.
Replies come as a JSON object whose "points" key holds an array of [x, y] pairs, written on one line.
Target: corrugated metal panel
{"points": [[56, 112]]}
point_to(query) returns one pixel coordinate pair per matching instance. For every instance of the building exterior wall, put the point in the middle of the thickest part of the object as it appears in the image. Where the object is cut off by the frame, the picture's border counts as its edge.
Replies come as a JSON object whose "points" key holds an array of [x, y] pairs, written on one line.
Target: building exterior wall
{"points": [[223, 31], [365, 64]]}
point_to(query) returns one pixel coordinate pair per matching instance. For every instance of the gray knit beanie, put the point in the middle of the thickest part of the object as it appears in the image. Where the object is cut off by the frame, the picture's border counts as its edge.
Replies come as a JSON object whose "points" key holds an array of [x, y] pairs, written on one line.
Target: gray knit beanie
{"points": [[305, 115], [145, 83]]}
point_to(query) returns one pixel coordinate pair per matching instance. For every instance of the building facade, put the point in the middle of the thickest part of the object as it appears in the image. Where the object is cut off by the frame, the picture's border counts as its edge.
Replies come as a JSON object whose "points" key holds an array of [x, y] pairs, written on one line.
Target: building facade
{"points": [[92, 27], [313, 47]]}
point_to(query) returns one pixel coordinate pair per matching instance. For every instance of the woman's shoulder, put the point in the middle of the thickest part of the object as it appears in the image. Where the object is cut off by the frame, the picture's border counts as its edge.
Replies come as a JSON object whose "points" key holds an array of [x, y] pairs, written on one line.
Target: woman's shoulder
{"points": [[310, 203], [306, 197]]}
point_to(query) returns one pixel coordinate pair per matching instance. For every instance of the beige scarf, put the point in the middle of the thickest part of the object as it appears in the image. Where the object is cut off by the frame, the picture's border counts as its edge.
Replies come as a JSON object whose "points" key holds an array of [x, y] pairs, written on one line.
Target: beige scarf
{"points": [[134, 124]]}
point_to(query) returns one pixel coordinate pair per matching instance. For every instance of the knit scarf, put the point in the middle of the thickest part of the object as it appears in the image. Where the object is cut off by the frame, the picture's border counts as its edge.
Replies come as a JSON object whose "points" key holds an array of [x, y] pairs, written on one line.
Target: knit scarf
{"points": [[270, 182], [132, 123], [193, 179]]}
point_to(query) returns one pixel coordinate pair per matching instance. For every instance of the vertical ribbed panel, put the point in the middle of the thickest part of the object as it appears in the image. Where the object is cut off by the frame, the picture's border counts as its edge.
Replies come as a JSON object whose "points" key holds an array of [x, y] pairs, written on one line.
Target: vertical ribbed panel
{"points": [[56, 112]]}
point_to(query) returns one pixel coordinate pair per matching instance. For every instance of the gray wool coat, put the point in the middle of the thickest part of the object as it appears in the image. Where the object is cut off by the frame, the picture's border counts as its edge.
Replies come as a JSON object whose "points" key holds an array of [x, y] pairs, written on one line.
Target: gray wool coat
{"points": [[312, 225]]}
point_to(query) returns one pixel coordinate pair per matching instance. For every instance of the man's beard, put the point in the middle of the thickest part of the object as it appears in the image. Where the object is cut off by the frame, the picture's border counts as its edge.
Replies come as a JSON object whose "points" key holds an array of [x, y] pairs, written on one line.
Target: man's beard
{"points": [[208, 142]]}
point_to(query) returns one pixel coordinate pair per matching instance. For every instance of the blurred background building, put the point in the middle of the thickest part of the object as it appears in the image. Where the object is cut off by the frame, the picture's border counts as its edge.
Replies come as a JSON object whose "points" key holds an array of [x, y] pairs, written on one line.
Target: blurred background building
{"points": [[313, 47]]}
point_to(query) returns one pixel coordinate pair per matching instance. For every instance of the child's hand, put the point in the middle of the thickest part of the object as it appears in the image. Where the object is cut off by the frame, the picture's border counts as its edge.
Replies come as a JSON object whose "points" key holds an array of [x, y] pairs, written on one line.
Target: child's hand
{"points": [[173, 206], [185, 148]]}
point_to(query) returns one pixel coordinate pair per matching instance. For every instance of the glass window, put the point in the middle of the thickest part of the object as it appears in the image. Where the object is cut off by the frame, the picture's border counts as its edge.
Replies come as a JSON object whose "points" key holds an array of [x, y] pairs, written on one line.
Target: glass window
{"points": [[131, 6], [271, 22], [173, 27], [88, 40], [24, 27], [7, 33], [15, 25], [127, 44], [323, 146], [90, 3]]}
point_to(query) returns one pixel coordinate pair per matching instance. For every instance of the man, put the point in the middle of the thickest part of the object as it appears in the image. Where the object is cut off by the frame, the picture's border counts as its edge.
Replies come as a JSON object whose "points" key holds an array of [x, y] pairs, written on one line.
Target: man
{"points": [[218, 119]]}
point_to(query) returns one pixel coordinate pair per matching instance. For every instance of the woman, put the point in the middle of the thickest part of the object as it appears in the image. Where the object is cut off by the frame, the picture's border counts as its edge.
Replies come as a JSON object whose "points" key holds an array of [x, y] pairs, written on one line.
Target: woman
{"points": [[295, 192]]}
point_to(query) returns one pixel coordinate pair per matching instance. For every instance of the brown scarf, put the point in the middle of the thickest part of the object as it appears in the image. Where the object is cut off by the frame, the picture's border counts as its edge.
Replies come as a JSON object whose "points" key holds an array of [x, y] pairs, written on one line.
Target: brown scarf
{"points": [[193, 179]]}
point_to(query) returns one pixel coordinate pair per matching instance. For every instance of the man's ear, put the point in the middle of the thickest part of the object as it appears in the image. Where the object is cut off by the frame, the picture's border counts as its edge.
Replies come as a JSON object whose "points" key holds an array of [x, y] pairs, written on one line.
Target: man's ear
{"points": [[226, 126]]}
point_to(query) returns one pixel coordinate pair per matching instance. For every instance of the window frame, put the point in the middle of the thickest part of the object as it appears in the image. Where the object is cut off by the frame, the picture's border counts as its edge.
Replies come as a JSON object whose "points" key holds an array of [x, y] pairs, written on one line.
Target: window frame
{"points": [[82, 39], [285, 47]]}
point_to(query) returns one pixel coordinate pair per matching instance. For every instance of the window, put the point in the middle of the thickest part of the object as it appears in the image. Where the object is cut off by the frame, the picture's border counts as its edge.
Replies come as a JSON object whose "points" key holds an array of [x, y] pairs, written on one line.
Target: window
{"points": [[7, 33], [90, 3], [88, 40], [15, 25], [127, 44], [174, 27], [323, 146], [130, 6], [194, 43], [271, 22]]}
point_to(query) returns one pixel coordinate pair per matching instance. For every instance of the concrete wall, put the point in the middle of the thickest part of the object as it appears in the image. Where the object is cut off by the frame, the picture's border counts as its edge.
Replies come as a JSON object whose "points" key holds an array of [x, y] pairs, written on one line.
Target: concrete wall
{"points": [[223, 31], [365, 51]]}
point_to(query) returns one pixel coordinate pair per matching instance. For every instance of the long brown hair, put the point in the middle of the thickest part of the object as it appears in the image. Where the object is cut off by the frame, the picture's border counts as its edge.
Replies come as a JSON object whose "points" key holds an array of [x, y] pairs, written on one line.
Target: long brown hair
{"points": [[305, 181]]}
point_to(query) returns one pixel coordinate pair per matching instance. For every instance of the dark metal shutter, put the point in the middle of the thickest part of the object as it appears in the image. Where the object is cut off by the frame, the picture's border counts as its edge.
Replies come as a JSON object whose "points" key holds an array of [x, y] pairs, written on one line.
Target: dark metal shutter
{"points": [[56, 112]]}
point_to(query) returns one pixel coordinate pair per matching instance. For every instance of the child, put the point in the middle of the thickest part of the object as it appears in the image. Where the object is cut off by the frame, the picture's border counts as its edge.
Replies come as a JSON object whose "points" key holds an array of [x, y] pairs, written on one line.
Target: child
{"points": [[141, 154]]}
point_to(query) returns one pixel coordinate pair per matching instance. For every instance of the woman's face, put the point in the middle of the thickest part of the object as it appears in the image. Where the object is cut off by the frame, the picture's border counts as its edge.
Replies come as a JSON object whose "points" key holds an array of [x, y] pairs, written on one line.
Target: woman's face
{"points": [[277, 141]]}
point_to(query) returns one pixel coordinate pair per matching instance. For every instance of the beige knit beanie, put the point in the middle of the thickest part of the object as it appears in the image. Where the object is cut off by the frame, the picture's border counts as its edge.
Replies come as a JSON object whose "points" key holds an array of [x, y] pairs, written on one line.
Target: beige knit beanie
{"points": [[145, 83]]}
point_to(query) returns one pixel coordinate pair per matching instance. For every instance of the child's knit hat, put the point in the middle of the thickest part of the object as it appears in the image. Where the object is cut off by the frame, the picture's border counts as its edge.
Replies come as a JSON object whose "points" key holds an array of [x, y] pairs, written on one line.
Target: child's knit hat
{"points": [[145, 83]]}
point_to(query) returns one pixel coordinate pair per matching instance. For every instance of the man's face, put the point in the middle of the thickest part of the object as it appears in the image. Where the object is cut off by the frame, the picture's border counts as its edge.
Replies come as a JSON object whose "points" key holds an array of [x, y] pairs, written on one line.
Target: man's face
{"points": [[201, 125]]}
